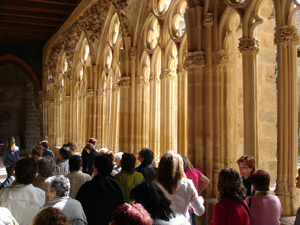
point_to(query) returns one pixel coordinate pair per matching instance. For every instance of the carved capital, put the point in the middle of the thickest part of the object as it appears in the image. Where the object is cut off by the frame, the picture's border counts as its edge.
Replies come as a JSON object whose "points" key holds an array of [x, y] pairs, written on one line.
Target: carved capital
{"points": [[90, 92], [124, 82], [107, 90], [168, 74], [208, 19], [180, 69], [67, 98], [287, 35], [222, 57], [154, 77], [51, 103], [115, 89], [249, 45], [142, 81], [194, 59], [100, 92], [133, 53]]}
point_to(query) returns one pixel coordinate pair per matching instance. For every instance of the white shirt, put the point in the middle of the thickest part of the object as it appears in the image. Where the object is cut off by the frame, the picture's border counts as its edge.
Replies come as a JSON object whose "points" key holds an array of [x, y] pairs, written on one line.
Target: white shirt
{"points": [[77, 179], [186, 194], [23, 200]]}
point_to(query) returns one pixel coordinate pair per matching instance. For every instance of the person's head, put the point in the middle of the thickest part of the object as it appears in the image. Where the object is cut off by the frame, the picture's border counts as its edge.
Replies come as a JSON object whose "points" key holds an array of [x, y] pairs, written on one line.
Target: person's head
{"points": [[25, 170], [153, 199], [37, 152], [72, 146], [246, 165], [75, 163], [103, 165], [186, 163], [93, 141], [58, 186], [260, 180], [230, 185], [10, 142], [103, 151], [145, 156], [118, 157], [131, 213], [89, 147], [44, 144], [298, 179], [50, 216], [46, 166], [170, 171], [65, 153], [128, 162]]}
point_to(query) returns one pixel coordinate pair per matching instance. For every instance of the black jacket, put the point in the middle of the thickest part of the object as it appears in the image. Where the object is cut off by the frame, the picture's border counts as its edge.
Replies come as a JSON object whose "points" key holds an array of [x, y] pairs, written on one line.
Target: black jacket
{"points": [[149, 171], [100, 197]]}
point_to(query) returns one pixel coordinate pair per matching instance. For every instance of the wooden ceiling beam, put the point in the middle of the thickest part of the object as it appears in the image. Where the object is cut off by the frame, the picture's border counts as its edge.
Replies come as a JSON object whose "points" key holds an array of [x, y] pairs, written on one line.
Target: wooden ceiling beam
{"points": [[35, 6], [24, 36], [62, 2], [21, 41], [25, 27], [18, 33], [30, 14], [26, 20]]}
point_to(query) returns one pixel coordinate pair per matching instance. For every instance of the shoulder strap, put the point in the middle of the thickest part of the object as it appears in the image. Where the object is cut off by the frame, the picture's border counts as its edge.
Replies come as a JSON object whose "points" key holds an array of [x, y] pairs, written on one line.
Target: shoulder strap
{"points": [[246, 208]]}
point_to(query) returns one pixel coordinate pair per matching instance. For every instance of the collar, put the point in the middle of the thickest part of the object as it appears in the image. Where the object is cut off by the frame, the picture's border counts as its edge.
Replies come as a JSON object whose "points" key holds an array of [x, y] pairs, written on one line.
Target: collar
{"points": [[262, 192]]}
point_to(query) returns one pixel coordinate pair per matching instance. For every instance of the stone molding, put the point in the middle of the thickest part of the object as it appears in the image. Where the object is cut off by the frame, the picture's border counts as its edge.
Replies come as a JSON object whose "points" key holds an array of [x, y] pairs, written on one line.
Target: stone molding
{"points": [[287, 35], [208, 19], [115, 89], [143, 81], [194, 59], [124, 82], [90, 92], [180, 69], [67, 98], [122, 7], [133, 53], [249, 45], [100, 92], [221, 57], [154, 77]]}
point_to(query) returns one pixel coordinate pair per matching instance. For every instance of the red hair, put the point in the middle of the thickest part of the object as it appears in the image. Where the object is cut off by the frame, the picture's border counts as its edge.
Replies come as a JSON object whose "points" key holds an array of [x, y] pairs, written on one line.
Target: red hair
{"points": [[131, 213]]}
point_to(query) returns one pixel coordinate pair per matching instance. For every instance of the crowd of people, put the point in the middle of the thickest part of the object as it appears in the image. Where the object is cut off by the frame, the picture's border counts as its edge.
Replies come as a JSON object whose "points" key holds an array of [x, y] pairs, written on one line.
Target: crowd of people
{"points": [[98, 187]]}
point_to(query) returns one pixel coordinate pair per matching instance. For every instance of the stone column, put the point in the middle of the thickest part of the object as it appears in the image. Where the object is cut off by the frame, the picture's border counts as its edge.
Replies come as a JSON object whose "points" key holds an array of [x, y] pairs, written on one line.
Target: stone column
{"points": [[168, 104], [107, 120], [67, 119], [182, 110], [115, 118], [154, 135], [124, 84], [95, 115], [90, 109], [142, 116], [84, 117], [100, 118], [132, 100], [249, 47], [51, 127], [287, 40]]}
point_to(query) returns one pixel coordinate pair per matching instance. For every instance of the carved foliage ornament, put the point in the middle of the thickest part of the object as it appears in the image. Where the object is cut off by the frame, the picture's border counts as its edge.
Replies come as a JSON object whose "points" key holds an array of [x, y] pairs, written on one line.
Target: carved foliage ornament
{"points": [[124, 82], [143, 81], [168, 74], [249, 45], [222, 60], [194, 59], [287, 35], [208, 19]]}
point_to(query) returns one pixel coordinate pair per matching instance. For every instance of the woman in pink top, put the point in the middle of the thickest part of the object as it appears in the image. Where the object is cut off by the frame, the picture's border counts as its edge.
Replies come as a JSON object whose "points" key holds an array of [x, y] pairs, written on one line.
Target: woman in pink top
{"points": [[195, 175], [264, 208]]}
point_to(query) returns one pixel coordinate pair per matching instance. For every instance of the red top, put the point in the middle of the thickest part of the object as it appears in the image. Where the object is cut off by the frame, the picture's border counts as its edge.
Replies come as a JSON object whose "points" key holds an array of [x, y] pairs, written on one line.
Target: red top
{"points": [[194, 175], [230, 212]]}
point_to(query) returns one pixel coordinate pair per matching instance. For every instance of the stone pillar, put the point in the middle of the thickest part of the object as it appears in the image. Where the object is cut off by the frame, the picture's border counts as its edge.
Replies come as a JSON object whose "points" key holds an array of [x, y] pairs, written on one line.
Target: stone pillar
{"points": [[107, 117], [142, 114], [90, 109], [249, 47], [168, 128], [95, 115], [115, 119], [124, 84], [287, 40], [182, 110], [99, 135], [132, 98], [67, 119], [154, 133]]}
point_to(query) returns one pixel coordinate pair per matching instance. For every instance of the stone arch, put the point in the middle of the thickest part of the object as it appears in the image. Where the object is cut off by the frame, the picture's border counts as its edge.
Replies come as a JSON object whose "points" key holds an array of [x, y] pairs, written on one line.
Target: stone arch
{"points": [[9, 58]]}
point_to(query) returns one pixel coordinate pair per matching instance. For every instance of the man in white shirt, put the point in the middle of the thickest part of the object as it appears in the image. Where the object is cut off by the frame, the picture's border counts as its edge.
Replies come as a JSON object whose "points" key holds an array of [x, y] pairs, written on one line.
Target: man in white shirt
{"points": [[76, 176], [23, 199]]}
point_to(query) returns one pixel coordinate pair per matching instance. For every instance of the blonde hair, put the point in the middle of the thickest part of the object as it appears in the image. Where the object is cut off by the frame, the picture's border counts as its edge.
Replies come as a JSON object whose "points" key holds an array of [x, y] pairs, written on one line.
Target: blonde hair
{"points": [[11, 143], [186, 163], [170, 171]]}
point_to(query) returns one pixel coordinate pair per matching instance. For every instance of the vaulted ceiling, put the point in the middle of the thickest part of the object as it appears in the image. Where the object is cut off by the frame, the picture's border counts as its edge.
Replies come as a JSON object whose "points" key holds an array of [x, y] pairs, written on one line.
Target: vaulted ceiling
{"points": [[33, 21]]}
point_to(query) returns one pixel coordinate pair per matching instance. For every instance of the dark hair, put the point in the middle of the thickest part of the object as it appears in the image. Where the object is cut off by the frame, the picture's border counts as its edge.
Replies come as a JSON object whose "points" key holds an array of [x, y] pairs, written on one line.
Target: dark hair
{"points": [[230, 185], [131, 213], [50, 216], [260, 180], [45, 144], [128, 162], [46, 166], [247, 159], [153, 199], [25, 170], [75, 162], [187, 163], [65, 152], [37, 151], [93, 140], [147, 154], [72, 145], [89, 146], [104, 164]]}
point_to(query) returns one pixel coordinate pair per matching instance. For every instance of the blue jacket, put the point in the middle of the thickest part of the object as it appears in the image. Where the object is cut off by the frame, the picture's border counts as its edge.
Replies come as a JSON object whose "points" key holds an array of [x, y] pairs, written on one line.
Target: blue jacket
{"points": [[48, 152], [10, 157], [91, 161]]}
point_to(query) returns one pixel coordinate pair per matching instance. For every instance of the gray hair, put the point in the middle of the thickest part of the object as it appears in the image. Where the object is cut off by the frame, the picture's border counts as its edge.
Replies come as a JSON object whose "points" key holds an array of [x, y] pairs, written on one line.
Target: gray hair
{"points": [[46, 166], [60, 184], [118, 157]]}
